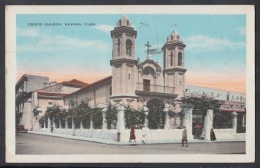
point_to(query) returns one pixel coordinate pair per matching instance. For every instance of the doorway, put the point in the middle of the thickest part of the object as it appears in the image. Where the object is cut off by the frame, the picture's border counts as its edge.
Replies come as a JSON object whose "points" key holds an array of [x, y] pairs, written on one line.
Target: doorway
{"points": [[146, 85]]}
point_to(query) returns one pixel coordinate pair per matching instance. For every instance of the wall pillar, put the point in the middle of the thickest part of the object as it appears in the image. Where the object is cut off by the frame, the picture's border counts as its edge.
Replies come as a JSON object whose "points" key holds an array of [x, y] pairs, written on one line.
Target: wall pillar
{"points": [[234, 121], [44, 123], [120, 120], [53, 123], [91, 122], [208, 124], [66, 123], [146, 111], [81, 125], [49, 124], [59, 124], [72, 122], [243, 120], [166, 110], [104, 123], [187, 121]]}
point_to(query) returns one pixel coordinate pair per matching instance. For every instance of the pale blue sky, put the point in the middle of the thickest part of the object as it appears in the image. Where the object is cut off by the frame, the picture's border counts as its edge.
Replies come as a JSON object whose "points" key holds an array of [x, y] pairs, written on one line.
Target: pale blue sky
{"points": [[215, 43]]}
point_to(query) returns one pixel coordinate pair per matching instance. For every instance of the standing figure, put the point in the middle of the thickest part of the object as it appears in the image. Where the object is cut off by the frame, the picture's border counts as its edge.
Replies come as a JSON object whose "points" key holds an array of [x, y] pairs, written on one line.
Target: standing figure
{"points": [[144, 133], [212, 135], [184, 137], [132, 134]]}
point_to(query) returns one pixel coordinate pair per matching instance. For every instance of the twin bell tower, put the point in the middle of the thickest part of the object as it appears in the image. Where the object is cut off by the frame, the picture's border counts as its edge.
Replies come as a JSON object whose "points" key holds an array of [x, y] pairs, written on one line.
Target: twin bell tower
{"points": [[127, 75]]}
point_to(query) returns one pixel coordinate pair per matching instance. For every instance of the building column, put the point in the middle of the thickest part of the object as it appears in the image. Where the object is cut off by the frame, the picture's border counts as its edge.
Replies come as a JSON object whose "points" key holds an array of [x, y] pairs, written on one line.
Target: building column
{"points": [[146, 111], [104, 123], [208, 124], [166, 110], [187, 121], [120, 121], [234, 121]]}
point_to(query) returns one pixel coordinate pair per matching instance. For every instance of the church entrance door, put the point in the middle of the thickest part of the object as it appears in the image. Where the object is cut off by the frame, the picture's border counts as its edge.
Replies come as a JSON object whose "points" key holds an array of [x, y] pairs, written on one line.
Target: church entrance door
{"points": [[146, 84]]}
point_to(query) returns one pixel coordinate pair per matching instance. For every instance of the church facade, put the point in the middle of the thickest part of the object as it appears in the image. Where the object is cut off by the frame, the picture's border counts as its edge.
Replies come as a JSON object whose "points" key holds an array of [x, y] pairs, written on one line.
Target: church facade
{"points": [[134, 82]]}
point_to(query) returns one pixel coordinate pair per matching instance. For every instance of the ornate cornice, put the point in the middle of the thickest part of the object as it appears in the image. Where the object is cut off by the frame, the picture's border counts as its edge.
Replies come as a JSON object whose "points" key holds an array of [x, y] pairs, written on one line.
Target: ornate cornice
{"points": [[123, 60], [175, 70], [123, 29]]}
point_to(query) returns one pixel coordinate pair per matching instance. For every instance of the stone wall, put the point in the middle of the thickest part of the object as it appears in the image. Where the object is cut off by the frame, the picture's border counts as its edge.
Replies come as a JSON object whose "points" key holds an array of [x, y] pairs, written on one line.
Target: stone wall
{"points": [[111, 134], [228, 134]]}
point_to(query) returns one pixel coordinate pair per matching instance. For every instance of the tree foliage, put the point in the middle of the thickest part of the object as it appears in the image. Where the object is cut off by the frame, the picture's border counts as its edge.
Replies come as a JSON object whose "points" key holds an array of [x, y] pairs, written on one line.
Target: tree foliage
{"points": [[134, 118], [201, 104], [156, 116]]}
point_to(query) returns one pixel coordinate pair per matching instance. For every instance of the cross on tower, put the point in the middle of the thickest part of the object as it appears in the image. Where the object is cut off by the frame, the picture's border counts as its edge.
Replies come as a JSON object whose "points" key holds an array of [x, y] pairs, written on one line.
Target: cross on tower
{"points": [[147, 45]]}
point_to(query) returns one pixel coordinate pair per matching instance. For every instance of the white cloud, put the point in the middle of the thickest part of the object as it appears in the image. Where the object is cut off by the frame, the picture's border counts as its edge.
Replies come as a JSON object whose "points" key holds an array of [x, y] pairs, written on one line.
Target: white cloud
{"points": [[27, 32], [200, 42], [60, 42], [105, 28], [242, 30]]}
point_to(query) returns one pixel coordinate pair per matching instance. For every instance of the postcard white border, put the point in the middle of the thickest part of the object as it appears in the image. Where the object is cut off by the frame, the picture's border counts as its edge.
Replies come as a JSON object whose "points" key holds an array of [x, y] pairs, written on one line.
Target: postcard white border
{"points": [[10, 64]]}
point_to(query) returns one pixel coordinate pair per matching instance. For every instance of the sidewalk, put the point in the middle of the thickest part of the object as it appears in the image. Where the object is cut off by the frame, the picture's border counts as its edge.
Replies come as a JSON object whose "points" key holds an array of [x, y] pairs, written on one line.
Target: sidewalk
{"points": [[111, 142]]}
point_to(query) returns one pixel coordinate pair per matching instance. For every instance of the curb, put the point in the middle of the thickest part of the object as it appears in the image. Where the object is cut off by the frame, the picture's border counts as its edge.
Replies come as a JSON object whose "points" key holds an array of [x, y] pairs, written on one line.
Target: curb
{"points": [[128, 143]]}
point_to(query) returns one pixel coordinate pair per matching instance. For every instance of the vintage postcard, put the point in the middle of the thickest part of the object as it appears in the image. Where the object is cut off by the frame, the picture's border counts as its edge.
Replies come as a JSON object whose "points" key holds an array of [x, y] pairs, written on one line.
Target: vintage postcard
{"points": [[133, 84]]}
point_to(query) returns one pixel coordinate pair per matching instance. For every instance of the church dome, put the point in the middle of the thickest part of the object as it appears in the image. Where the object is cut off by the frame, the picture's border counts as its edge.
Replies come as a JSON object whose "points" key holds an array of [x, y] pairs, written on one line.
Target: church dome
{"points": [[124, 21]]}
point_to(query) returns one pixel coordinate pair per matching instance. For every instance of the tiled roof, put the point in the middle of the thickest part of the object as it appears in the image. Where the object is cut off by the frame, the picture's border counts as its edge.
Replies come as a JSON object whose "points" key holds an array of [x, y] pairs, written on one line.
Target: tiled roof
{"points": [[75, 82], [72, 82], [93, 84]]}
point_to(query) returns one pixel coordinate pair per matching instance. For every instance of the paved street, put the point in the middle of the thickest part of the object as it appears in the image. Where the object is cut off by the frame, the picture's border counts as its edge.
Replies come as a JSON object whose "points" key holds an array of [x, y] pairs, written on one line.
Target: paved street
{"points": [[41, 144]]}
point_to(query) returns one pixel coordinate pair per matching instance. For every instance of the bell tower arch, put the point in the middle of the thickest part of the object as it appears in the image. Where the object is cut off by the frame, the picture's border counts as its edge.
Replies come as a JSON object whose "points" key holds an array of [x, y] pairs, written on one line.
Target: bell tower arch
{"points": [[124, 64], [174, 64]]}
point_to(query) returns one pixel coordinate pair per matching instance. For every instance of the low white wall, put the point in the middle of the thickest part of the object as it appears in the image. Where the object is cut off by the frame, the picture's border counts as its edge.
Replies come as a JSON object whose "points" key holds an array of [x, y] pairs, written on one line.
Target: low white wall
{"points": [[240, 136], [111, 134], [154, 135], [224, 134], [229, 134], [89, 133]]}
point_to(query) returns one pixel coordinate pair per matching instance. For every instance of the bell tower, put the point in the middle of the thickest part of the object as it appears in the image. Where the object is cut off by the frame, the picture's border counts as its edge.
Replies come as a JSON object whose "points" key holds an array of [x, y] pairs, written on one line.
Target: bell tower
{"points": [[174, 65], [124, 64]]}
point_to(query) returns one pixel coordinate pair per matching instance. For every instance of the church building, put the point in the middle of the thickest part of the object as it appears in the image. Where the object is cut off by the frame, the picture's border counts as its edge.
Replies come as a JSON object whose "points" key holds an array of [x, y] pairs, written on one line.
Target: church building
{"points": [[134, 82]]}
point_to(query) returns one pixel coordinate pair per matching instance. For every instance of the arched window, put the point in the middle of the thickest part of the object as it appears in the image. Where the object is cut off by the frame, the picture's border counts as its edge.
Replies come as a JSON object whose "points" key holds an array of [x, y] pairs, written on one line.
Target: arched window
{"points": [[128, 47], [171, 58], [119, 22], [171, 37], [179, 59], [127, 22]]}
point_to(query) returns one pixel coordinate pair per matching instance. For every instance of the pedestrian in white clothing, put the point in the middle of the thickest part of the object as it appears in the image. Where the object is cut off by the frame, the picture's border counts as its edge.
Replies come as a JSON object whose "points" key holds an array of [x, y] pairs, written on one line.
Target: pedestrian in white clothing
{"points": [[144, 133]]}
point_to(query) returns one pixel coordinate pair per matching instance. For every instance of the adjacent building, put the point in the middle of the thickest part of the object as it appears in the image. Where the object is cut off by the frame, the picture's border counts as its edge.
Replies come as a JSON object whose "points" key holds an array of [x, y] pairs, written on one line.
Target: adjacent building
{"points": [[34, 94]]}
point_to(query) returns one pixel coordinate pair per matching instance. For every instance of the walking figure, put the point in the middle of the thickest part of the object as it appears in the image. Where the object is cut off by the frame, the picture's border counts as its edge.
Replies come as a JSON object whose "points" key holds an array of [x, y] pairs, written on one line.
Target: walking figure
{"points": [[132, 134], [184, 137], [212, 135]]}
